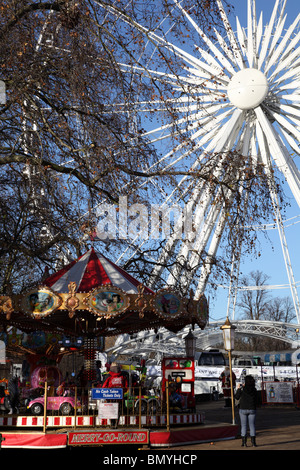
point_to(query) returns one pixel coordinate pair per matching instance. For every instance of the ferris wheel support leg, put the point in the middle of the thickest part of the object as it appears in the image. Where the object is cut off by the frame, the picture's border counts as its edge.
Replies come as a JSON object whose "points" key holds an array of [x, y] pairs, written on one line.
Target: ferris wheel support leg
{"points": [[235, 267], [265, 154], [207, 265], [285, 250], [286, 255]]}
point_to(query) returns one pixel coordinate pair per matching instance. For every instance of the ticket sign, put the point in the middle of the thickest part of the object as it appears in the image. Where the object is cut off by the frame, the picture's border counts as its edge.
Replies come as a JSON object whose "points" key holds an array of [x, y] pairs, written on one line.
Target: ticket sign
{"points": [[107, 393]]}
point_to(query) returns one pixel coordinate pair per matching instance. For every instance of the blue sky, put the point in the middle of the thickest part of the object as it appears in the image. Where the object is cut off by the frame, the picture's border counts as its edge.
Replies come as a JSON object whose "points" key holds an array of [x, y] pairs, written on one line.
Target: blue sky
{"points": [[271, 261], [292, 9]]}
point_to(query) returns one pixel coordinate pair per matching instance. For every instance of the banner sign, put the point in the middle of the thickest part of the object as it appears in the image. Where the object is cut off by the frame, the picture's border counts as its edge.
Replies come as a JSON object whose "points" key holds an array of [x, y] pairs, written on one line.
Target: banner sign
{"points": [[108, 437], [279, 392], [107, 393], [267, 372]]}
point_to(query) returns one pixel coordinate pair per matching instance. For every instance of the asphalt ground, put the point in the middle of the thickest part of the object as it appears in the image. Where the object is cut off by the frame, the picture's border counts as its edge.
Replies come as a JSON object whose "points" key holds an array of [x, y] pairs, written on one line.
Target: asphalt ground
{"points": [[277, 428]]}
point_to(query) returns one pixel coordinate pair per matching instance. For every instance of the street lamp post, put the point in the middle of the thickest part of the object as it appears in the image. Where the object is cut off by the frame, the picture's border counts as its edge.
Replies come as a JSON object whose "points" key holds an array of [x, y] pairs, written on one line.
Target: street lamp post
{"points": [[190, 344], [228, 338]]}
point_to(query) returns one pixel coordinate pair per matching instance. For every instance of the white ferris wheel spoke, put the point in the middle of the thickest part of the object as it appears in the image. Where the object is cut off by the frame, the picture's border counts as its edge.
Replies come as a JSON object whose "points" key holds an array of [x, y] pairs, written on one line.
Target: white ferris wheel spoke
{"points": [[267, 36], [237, 54], [216, 124], [285, 45]]}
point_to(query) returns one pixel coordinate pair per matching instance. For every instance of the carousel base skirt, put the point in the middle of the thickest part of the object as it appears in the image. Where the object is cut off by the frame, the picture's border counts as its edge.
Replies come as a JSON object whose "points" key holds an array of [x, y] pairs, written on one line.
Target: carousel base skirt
{"points": [[181, 429], [193, 435], [35, 440]]}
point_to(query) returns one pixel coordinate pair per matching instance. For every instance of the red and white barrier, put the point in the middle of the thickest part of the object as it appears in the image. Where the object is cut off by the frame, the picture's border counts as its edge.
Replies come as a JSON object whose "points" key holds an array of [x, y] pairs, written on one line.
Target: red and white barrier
{"points": [[52, 421], [157, 420]]}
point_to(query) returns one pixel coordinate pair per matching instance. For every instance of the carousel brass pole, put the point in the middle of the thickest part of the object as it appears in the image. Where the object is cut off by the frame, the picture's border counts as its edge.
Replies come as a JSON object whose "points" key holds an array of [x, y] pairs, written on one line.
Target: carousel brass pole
{"points": [[45, 407], [140, 407], [75, 408]]}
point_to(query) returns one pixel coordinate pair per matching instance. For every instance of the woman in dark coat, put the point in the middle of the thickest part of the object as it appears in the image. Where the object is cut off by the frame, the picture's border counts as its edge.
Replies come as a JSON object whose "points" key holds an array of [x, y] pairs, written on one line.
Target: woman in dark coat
{"points": [[247, 396]]}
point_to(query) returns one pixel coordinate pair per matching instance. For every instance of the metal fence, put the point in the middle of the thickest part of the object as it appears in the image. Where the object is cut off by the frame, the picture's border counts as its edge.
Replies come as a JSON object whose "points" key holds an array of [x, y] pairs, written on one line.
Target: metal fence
{"points": [[139, 406]]}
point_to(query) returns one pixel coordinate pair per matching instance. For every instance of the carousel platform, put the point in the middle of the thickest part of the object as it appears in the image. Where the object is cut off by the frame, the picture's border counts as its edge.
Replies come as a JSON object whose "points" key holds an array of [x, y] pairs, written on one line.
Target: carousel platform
{"points": [[62, 432]]}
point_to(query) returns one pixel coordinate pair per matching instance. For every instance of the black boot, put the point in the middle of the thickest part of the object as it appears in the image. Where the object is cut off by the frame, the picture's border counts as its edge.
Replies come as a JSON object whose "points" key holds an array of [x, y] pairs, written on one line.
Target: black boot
{"points": [[244, 441], [253, 441]]}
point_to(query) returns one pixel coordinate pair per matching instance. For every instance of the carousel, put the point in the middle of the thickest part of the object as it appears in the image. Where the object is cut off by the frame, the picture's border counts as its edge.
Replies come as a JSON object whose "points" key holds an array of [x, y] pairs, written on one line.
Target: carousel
{"points": [[86, 302]]}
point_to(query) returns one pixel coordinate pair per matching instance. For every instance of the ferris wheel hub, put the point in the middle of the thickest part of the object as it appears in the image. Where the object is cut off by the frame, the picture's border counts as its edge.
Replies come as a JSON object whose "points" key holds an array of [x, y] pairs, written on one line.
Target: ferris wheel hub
{"points": [[247, 88]]}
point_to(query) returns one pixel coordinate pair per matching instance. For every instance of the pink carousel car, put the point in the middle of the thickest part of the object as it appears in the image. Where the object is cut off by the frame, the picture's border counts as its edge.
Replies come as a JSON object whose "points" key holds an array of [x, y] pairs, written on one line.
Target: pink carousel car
{"points": [[64, 405], [62, 401]]}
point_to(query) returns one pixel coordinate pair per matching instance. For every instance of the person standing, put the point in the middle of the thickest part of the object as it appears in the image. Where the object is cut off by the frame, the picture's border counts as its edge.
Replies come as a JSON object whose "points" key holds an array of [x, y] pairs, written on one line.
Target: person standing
{"points": [[116, 379], [226, 385], [247, 396], [14, 395]]}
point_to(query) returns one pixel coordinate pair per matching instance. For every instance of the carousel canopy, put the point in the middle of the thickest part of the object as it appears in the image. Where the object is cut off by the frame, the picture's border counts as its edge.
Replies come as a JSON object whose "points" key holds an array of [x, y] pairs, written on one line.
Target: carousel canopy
{"points": [[93, 297]]}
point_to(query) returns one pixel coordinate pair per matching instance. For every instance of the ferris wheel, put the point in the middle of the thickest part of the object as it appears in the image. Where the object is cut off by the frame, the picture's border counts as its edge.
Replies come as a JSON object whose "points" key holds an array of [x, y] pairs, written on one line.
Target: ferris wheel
{"points": [[240, 92]]}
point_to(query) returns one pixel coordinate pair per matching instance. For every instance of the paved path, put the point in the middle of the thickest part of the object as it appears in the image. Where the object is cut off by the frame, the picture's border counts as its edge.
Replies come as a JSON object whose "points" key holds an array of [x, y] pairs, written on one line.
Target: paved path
{"points": [[277, 426]]}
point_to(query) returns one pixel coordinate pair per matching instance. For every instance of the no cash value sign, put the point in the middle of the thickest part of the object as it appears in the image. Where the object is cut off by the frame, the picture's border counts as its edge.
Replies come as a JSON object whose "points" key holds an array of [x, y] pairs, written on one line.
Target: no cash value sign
{"points": [[107, 393]]}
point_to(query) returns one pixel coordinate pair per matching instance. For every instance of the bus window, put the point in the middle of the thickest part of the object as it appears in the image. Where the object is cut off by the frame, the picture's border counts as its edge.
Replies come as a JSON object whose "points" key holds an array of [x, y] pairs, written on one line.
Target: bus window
{"points": [[210, 358]]}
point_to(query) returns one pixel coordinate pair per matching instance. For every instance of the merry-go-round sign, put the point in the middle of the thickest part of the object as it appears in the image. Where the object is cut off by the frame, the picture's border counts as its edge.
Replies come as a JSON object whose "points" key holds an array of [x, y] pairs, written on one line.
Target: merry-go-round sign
{"points": [[107, 301]]}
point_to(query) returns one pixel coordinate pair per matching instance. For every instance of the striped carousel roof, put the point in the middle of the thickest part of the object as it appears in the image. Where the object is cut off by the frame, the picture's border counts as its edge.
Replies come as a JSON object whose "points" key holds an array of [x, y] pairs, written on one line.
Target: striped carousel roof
{"points": [[90, 271]]}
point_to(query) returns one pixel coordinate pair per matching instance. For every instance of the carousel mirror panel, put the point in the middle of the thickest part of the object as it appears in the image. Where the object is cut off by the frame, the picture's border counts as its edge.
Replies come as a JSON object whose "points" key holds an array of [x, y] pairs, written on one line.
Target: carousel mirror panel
{"points": [[40, 302], [167, 304], [107, 302]]}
